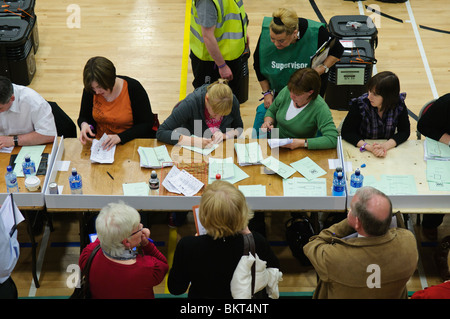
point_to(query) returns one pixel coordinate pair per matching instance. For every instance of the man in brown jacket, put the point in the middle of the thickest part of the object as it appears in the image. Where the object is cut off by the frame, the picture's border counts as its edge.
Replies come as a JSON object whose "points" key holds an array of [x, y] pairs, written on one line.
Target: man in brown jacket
{"points": [[362, 256]]}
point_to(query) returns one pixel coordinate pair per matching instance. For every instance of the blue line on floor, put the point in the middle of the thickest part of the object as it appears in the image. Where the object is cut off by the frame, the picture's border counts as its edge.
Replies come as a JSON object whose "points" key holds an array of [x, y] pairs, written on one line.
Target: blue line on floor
{"points": [[77, 244]]}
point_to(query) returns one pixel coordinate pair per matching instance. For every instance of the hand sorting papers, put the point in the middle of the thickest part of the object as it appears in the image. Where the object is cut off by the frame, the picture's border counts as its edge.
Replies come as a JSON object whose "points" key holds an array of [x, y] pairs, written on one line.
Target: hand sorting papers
{"points": [[99, 155], [277, 142], [181, 182]]}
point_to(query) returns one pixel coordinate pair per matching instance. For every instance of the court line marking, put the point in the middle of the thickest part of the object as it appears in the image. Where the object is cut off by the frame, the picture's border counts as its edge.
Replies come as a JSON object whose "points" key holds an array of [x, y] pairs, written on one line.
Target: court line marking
{"points": [[412, 20]]}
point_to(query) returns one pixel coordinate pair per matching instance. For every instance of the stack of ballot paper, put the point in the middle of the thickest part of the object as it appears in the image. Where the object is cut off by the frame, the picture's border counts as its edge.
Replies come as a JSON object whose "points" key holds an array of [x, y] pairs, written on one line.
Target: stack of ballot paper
{"points": [[181, 182], [435, 150], [100, 155], [154, 157], [248, 154]]}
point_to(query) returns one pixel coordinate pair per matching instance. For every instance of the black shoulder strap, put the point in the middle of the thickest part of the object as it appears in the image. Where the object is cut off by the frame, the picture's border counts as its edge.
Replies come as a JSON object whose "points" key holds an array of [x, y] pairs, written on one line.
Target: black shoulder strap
{"points": [[249, 246], [88, 264]]}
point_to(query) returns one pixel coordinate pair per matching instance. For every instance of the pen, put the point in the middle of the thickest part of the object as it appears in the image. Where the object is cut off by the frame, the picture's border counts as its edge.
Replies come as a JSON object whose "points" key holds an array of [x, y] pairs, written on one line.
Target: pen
{"points": [[150, 240], [110, 175]]}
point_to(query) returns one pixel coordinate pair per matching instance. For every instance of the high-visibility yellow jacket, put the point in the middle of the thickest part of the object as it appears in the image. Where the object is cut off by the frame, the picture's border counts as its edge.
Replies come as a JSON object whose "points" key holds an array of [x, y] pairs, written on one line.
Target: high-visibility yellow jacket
{"points": [[230, 31]]}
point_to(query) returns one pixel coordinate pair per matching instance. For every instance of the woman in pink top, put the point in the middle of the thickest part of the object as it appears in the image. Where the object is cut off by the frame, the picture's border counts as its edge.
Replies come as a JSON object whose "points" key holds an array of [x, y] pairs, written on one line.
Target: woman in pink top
{"points": [[128, 265]]}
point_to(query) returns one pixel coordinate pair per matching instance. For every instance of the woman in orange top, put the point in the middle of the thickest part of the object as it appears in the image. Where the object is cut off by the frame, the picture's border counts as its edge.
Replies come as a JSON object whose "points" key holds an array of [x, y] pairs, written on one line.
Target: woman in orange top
{"points": [[116, 105]]}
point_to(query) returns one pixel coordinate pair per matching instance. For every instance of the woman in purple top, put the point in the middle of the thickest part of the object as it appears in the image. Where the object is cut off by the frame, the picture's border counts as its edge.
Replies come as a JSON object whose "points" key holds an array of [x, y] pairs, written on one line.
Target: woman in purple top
{"points": [[379, 114]]}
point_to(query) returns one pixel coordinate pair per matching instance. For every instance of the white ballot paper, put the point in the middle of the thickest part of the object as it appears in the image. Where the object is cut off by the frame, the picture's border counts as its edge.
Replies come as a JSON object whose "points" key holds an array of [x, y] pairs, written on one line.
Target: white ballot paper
{"points": [[277, 142], [181, 182], [99, 155]]}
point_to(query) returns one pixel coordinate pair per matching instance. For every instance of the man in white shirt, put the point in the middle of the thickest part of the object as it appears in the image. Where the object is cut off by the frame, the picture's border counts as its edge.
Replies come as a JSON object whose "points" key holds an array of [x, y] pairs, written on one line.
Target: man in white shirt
{"points": [[26, 118]]}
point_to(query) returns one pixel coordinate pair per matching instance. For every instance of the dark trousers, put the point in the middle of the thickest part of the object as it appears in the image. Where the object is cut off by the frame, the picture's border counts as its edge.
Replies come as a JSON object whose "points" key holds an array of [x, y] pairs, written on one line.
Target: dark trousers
{"points": [[206, 72], [8, 289]]}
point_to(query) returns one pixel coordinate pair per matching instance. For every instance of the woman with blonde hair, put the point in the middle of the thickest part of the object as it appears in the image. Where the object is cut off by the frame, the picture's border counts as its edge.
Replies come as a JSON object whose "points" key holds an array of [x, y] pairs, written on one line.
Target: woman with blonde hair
{"points": [[285, 45], [210, 113], [205, 264], [118, 271]]}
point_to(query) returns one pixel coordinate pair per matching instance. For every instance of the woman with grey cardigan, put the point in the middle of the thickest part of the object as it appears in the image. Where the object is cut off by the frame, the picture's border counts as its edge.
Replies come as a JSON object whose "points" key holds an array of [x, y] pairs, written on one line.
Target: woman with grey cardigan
{"points": [[205, 117]]}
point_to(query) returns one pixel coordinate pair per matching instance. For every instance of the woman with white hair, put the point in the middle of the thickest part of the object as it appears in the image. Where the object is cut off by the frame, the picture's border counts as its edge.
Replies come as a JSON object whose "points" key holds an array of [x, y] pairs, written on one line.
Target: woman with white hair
{"points": [[128, 265]]}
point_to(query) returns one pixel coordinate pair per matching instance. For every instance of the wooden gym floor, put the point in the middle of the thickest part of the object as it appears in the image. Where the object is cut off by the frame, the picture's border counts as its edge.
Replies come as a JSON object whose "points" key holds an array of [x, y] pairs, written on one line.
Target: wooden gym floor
{"points": [[146, 40]]}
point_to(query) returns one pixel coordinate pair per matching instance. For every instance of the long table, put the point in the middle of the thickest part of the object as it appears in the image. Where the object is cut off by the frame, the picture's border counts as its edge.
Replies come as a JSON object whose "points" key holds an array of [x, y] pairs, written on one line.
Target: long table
{"points": [[405, 159], [25, 199], [102, 183]]}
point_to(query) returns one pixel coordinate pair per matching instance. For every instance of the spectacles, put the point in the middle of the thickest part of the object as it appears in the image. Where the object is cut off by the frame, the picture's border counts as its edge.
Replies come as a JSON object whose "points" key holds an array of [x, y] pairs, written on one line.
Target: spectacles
{"points": [[137, 231]]}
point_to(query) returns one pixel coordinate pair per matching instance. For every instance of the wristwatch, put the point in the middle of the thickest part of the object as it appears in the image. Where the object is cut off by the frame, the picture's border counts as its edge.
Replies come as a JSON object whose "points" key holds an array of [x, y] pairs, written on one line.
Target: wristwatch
{"points": [[363, 148], [326, 68], [306, 143], [16, 140]]}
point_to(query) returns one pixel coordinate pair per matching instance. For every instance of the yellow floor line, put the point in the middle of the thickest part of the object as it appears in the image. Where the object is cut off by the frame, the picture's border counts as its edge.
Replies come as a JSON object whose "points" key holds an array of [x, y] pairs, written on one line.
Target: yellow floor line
{"points": [[185, 59]]}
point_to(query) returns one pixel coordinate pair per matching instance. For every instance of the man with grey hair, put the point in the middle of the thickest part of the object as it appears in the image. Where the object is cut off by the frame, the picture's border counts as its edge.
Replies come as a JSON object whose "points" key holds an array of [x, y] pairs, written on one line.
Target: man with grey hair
{"points": [[362, 256], [26, 118]]}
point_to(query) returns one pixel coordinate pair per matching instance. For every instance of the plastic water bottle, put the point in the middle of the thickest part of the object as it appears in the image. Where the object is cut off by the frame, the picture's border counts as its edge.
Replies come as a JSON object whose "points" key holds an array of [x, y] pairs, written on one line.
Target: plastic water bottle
{"points": [[75, 183], [28, 167], [11, 181], [153, 183], [339, 185], [338, 169], [356, 181]]}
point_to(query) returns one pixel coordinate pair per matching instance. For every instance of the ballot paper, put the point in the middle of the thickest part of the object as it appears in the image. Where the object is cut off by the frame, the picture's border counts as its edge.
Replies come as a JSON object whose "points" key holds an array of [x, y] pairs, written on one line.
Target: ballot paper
{"points": [[277, 142], [203, 151], [238, 175], [100, 155], [278, 167], [181, 182], [6, 149], [253, 190], [248, 154], [154, 157], [435, 150], [222, 166], [308, 168], [35, 153]]}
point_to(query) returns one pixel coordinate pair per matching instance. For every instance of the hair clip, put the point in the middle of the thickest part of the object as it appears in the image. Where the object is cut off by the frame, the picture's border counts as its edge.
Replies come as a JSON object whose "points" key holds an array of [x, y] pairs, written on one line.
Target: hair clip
{"points": [[277, 21]]}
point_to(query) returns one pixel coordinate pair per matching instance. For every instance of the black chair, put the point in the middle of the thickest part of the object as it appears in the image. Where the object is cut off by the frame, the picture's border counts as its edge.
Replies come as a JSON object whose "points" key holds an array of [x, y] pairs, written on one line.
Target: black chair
{"points": [[64, 124], [422, 111]]}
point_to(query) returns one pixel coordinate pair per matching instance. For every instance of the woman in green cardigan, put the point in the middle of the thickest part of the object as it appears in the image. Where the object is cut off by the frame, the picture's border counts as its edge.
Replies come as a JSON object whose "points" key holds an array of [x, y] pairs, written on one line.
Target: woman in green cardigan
{"points": [[299, 112]]}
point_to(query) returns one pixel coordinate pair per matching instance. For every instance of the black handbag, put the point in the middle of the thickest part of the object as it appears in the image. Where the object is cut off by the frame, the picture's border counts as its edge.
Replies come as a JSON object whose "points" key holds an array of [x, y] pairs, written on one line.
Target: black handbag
{"points": [[83, 292], [298, 232]]}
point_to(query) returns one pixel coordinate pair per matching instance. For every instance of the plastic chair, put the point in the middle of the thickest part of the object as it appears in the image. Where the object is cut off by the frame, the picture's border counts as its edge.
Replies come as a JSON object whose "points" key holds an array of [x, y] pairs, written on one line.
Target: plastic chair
{"points": [[64, 124], [422, 111]]}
